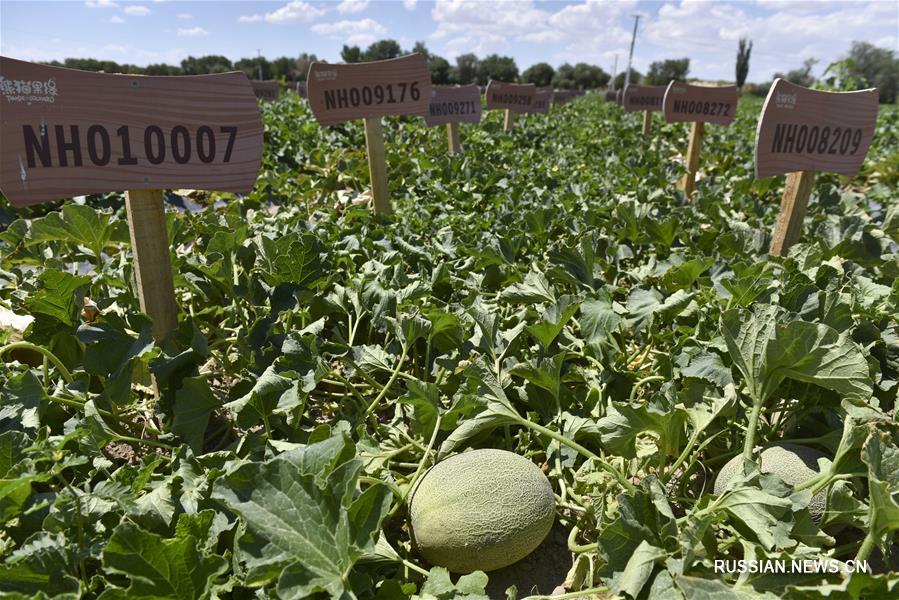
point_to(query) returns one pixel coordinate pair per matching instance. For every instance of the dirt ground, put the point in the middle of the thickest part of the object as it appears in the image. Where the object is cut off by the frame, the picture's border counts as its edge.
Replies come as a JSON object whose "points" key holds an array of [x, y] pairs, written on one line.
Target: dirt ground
{"points": [[540, 572]]}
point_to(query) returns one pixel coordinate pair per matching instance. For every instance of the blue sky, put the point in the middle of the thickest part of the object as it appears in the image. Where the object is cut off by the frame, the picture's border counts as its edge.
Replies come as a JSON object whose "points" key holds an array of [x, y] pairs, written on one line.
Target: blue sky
{"points": [[785, 32]]}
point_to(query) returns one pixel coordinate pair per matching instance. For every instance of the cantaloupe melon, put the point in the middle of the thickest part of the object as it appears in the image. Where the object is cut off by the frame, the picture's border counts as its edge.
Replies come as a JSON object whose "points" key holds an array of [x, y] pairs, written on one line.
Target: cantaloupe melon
{"points": [[481, 510], [793, 463]]}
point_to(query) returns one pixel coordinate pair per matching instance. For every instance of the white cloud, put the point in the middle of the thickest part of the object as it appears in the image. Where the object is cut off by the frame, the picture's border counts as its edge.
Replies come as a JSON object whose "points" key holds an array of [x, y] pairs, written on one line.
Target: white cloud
{"points": [[185, 16], [352, 6], [100, 4], [116, 19], [291, 13], [361, 32], [589, 30], [473, 26], [799, 6], [409, 4], [192, 32], [137, 11], [783, 33]]}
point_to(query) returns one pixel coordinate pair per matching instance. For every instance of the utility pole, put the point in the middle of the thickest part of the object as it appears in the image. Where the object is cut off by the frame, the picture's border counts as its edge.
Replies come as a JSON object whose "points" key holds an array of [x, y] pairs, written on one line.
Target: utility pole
{"points": [[259, 61], [627, 75], [614, 72]]}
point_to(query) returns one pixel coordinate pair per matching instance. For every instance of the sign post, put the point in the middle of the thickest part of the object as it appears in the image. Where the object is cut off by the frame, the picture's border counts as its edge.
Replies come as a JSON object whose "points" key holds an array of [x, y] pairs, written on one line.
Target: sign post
{"points": [[452, 138], [647, 98], [377, 164], [698, 105], [369, 91], [788, 227], [152, 266], [451, 105], [68, 133], [803, 131], [512, 97], [508, 120]]}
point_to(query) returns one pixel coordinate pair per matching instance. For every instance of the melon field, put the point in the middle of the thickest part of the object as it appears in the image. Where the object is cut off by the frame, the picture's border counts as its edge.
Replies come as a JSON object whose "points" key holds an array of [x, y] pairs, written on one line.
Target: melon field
{"points": [[548, 293]]}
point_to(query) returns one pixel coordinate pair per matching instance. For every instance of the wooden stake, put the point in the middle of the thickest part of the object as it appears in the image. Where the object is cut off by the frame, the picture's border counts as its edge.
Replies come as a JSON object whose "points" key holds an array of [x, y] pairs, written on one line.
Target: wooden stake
{"points": [[452, 135], [647, 122], [377, 164], [152, 261], [508, 121], [688, 182], [797, 190]]}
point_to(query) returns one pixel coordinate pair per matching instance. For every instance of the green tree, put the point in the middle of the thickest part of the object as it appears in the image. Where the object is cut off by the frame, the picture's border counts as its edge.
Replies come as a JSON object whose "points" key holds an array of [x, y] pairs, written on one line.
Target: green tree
{"points": [[283, 67], [494, 66], [466, 70], [663, 72], [564, 78], [382, 50], [540, 74], [106, 66], [257, 67], [303, 62], [801, 76], [351, 54], [422, 49], [204, 65], [877, 67], [744, 49], [438, 66], [636, 77], [589, 77], [162, 69], [441, 70]]}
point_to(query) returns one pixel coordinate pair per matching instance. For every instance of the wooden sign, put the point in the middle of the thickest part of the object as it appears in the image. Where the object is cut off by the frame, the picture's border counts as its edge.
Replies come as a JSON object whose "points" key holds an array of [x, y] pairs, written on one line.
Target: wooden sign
{"points": [[618, 96], [454, 104], [610, 96], [369, 91], [301, 89], [516, 97], [340, 93], [803, 131], [811, 130], [700, 104], [265, 90], [451, 105], [542, 100], [561, 97], [68, 133], [643, 97]]}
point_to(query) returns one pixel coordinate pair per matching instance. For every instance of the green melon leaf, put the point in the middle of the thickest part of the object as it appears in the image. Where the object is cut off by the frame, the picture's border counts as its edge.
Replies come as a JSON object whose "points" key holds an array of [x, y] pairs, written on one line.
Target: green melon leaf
{"points": [[301, 528], [158, 567]]}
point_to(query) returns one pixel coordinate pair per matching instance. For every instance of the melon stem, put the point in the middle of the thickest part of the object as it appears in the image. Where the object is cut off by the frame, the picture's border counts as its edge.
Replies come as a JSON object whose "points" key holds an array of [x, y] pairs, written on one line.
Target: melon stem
{"points": [[393, 377], [867, 546], [418, 470], [571, 595], [48, 355], [580, 450], [754, 416]]}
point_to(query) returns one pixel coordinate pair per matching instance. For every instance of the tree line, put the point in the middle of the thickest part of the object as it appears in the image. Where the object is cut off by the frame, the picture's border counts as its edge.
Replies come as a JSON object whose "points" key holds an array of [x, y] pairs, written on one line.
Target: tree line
{"points": [[467, 68], [865, 65]]}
